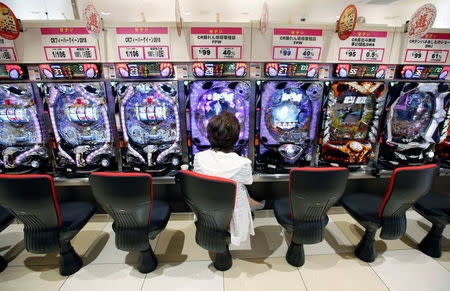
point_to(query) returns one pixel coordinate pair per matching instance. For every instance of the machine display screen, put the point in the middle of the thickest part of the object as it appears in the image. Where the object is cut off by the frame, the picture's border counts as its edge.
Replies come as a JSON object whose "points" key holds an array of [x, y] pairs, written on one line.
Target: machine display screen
{"points": [[14, 115], [208, 99], [289, 114], [219, 69], [144, 70], [69, 71], [292, 70], [424, 72], [360, 71], [13, 72]]}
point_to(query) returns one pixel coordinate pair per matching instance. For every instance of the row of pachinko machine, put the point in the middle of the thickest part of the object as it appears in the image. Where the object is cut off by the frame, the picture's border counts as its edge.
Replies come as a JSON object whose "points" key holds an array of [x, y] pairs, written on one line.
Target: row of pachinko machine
{"points": [[73, 119]]}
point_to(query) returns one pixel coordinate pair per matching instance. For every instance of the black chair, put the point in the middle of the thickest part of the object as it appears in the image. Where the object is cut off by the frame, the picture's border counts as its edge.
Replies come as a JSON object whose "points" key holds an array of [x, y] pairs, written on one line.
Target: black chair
{"points": [[212, 200], [312, 192], [48, 225], [5, 219], [128, 198], [374, 211], [436, 208]]}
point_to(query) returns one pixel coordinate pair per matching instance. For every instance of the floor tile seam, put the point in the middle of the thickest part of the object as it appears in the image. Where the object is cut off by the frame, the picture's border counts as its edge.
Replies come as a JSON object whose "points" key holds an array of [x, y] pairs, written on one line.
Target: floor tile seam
{"points": [[378, 275], [67, 278], [301, 277]]}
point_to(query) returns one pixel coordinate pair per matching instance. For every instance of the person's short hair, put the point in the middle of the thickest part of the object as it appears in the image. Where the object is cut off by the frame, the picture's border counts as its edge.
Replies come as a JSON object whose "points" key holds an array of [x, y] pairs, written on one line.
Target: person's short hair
{"points": [[223, 131]]}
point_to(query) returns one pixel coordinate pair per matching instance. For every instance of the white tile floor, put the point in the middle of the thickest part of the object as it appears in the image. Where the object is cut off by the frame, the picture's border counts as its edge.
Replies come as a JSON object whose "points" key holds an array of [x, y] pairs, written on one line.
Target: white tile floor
{"points": [[258, 264]]}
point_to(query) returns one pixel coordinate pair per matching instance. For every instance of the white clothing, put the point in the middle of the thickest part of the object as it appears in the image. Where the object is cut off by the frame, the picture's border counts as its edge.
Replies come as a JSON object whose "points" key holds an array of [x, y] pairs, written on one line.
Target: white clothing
{"points": [[239, 169]]}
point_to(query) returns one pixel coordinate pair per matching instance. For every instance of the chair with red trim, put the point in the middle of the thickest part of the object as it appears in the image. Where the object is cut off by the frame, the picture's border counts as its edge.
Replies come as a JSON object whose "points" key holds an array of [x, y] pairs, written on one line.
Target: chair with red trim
{"points": [[5, 219], [312, 192], [138, 218], [374, 211], [435, 207], [212, 200], [48, 225]]}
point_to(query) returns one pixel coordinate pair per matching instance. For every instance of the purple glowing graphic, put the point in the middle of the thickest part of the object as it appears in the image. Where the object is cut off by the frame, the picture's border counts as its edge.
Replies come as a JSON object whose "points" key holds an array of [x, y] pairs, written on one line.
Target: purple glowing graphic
{"points": [[289, 118], [209, 98]]}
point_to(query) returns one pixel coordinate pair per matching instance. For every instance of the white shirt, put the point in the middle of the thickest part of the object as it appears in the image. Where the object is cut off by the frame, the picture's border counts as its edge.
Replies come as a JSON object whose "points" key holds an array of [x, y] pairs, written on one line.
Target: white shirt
{"points": [[239, 169]]}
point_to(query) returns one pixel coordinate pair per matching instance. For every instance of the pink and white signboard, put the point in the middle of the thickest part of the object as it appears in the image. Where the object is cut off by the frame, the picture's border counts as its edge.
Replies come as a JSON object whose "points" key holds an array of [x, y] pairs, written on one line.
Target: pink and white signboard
{"points": [[7, 50], [297, 44], [431, 48], [69, 44], [216, 43], [143, 43], [363, 46]]}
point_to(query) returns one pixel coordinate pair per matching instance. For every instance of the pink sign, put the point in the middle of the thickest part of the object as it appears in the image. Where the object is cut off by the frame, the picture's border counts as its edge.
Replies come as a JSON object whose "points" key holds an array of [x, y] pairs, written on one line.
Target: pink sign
{"points": [[431, 48], [297, 44], [363, 46], [69, 44], [216, 42], [143, 43]]}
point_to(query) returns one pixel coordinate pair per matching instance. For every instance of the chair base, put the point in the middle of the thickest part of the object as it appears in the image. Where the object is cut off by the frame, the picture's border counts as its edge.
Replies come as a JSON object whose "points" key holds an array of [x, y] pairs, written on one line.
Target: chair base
{"points": [[431, 244], [295, 255], [366, 247], [147, 261], [3, 264], [69, 262], [223, 261]]}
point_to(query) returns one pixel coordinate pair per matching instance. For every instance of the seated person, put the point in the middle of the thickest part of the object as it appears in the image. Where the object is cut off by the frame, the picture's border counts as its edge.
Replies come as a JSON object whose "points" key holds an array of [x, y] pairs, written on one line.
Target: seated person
{"points": [[220, 161]]}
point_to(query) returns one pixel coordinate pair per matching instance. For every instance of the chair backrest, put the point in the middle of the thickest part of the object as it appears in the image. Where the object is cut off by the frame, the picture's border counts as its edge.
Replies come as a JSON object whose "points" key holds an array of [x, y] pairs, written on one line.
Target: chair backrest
{"points": [[128, 198], [312, 192], [212, 200], [407, 185], [32, 199]]}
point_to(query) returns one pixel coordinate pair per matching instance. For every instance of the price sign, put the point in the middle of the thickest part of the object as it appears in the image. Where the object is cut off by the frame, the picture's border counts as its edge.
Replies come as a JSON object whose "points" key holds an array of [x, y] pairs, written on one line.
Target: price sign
{"points": [[204, 52], [7, 50], [143, 43], [69, 44], [363, 46], [297, 44], [431, 48], [216, 42]]}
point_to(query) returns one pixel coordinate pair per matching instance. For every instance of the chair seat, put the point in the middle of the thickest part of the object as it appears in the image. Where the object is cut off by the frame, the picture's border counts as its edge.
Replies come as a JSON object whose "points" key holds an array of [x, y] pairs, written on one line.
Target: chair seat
{"points": [[282, 210], [434, 205], [5, 218], [159, 216], [75, 215], [363, 207]]}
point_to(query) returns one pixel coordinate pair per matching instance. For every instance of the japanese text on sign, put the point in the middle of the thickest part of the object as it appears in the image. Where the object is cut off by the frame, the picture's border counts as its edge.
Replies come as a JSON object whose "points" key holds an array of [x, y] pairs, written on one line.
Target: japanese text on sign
{"points": [[297, 44], [69, 44], [431, 48], [7, 50], [363, 46], [216, 42], [143, 43]]}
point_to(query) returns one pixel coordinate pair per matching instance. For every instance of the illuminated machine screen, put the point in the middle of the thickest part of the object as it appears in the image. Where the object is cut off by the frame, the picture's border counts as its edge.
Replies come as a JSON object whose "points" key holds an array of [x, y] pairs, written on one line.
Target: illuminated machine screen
{"points": [[209, 98], [358, 71], [288, 121], [13, 72], [219, 69], [423, 72], [79, 117], [352, 121], [291, 70], [415, 113], [150, 123], [21, 139], [144, 70], [69, 71]]}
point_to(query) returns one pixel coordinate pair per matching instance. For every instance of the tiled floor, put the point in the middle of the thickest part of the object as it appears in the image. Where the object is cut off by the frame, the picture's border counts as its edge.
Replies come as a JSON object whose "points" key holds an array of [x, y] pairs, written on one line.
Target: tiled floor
{"points": [[258, 264]]}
